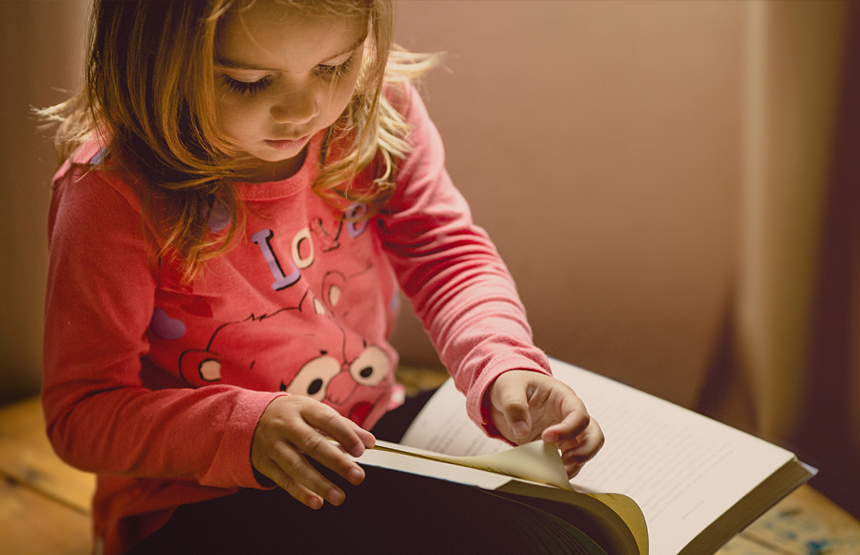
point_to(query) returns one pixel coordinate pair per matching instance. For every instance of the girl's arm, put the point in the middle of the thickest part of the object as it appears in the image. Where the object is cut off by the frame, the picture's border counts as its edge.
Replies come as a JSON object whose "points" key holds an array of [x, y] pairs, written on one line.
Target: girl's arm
{"points": [[452, 273], [100, 300], [468, 303]]}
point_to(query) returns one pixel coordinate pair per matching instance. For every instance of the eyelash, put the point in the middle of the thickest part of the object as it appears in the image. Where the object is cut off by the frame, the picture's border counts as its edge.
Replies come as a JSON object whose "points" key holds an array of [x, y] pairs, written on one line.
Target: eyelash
{"points": [[243, 87], [333, 72], [252, 88]]}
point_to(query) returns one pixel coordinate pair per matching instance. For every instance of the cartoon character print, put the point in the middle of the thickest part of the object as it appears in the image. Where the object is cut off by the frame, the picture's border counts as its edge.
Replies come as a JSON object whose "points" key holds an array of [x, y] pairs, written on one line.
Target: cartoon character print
{"points": [[233, 349], [341, 368], [353, 387], [366, 373]]}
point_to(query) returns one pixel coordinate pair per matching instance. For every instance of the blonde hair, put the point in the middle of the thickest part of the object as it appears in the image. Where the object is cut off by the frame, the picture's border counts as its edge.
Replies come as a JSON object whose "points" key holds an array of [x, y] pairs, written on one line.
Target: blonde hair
{"points": [[150, 90]]}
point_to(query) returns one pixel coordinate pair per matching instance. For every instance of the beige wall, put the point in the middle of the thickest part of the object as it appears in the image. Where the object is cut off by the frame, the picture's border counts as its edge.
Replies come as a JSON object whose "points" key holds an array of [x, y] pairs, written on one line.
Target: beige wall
{"points": [[600, 145], [37, 42]]}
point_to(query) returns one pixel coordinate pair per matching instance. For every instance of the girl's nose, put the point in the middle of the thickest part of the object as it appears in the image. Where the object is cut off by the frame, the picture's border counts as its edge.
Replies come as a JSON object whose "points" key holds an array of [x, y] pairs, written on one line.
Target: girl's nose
{"points": [[297, 107]]}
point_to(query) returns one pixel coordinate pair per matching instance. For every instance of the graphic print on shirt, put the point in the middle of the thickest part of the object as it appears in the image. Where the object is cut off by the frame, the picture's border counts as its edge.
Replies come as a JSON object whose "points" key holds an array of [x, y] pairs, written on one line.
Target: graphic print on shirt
{"points": [[365, 366], [165, 327], [341, 369], [352, 219], [326, 360]]}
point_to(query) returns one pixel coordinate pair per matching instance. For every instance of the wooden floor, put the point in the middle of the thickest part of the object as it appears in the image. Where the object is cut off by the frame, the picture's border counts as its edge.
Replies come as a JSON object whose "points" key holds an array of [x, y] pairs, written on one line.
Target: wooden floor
{"points": [[44, 504]]}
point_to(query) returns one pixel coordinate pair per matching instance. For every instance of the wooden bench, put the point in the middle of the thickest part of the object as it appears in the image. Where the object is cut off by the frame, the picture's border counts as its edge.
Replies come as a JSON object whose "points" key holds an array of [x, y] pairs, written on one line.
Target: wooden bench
{"points": [[45, 504]]}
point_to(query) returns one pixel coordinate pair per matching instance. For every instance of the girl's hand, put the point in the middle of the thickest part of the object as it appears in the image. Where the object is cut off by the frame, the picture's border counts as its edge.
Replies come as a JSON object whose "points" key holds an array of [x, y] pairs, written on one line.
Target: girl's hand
{"points": [[526, 405], [293, 427]]}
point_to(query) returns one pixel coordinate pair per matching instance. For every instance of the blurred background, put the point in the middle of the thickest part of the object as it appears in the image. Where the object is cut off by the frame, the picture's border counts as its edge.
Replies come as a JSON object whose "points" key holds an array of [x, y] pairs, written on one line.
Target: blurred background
{"points": [[675, 186]]}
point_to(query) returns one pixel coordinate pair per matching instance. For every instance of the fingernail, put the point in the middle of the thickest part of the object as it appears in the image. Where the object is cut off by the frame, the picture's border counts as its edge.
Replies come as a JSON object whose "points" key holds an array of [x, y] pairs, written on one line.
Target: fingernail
{"points": [[315, 502], [335, 497], [520, 429], [355, 476]]}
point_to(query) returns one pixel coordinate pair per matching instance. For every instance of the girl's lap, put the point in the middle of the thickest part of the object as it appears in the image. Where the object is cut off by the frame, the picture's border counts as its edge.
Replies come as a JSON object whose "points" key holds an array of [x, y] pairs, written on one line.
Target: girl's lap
{"points": [[391, 512]]}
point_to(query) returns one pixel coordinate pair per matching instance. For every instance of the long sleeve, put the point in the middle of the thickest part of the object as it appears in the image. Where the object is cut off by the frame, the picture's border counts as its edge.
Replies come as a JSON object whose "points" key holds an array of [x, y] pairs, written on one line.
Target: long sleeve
{"points": [[156, 384], [452, 273], [99, 305]]}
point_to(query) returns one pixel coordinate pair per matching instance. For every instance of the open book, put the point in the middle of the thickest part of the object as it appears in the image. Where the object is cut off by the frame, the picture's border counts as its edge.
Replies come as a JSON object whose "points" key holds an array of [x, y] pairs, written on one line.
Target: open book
{"points": [[532, 474], [691, 481]]}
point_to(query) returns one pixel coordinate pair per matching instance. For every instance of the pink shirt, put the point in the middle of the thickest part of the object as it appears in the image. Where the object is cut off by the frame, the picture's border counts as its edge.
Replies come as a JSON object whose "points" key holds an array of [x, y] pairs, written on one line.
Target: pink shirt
{"points": [[157, 386]]}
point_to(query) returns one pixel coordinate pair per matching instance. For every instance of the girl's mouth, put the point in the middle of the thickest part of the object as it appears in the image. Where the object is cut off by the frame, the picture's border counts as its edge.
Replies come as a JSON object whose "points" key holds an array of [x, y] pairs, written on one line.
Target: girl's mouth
{"points": [[287, 144]]}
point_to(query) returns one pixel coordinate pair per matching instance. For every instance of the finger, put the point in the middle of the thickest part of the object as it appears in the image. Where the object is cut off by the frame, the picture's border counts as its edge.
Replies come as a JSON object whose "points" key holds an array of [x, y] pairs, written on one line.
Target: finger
{"points": [[349, 435], [299, 492], [514, 406], [301, 480], [575, 421], [317, 446], [584, 448], [365, 439], [577, 456], [572, 469]]}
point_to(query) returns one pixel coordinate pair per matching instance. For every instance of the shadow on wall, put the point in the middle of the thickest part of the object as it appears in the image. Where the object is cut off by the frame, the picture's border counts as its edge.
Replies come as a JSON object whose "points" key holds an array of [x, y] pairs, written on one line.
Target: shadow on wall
{"points": [[831, 411]]}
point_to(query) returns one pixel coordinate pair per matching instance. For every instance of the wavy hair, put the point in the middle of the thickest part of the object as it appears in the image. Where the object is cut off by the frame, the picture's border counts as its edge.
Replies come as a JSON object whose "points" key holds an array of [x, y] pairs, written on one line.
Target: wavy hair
{"points": [[149, 90]]}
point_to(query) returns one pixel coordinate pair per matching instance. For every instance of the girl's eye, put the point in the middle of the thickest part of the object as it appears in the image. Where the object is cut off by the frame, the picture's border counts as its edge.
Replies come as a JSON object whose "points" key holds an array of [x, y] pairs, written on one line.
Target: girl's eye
{"points": [[333, 72], [244, 87]]}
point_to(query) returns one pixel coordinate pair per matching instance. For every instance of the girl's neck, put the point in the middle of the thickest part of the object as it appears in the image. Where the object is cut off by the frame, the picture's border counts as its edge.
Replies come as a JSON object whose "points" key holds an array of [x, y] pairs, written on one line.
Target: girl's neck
{"points": [[265, 172]]}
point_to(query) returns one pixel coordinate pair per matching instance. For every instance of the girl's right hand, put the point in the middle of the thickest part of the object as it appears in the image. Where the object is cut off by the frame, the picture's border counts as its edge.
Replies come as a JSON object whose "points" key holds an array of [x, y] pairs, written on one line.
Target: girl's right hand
{"points": [[294, 426]]}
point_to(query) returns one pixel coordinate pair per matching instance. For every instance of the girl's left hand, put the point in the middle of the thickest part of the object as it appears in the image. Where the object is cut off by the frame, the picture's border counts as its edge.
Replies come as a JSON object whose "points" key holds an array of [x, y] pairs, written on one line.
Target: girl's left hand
{"points": [[526, 405]]}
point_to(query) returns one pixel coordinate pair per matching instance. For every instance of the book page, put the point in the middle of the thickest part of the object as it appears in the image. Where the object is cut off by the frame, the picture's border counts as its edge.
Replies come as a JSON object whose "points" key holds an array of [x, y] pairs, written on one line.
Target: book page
{"points": [[535, 461], [684, 470], [432, 468]]}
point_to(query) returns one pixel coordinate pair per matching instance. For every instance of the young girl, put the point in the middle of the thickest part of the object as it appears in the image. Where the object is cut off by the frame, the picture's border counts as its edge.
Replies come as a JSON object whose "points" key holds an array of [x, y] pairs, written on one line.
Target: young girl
{"points": [[249, 186]]}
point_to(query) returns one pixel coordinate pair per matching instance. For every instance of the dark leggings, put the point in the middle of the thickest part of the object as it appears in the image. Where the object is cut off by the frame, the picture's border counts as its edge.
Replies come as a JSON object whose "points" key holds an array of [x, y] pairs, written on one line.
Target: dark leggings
{"points": [[391, 512]]}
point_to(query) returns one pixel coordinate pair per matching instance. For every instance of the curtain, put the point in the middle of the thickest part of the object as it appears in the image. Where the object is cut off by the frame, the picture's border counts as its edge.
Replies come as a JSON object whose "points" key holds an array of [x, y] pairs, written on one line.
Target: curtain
{"points": [[795, 329]]}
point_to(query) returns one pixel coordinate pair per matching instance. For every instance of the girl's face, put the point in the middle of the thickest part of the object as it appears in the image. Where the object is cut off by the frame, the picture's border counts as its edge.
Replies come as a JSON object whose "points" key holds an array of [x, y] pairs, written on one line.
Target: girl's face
{"points": [[281, 77]]}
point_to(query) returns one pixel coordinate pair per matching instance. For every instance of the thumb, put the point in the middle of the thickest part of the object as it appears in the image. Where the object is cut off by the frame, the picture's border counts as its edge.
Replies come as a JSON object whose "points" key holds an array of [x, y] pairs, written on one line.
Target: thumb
{"points": [[515, 408]]}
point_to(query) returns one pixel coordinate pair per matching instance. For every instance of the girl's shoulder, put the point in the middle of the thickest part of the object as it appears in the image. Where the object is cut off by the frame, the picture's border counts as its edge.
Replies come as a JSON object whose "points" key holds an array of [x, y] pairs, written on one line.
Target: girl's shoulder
{"points": [[398, 94], [91, 170], [403, 97]]}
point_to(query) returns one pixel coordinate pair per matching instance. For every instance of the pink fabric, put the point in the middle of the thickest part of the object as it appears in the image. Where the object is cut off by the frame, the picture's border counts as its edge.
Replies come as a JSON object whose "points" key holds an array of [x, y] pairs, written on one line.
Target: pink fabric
{"points": [[157, 387]]}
